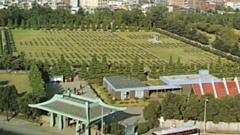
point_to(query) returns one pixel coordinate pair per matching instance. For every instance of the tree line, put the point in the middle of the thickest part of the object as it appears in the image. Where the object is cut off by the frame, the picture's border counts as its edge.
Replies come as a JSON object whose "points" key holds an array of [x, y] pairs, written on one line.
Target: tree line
{"points": [[182, 107], [97, 69], [218, 68]]}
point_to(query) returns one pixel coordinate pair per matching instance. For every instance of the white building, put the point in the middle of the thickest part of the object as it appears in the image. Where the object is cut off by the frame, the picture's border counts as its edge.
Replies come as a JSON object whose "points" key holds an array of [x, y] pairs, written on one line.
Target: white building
{"points": [[74, 3], [234, 4]]}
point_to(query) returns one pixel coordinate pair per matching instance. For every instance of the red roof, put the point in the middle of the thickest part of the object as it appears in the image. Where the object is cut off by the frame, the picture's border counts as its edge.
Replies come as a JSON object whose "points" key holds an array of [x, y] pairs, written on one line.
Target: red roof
{"points": [[220, 89], [232, 88], [196, 90]]}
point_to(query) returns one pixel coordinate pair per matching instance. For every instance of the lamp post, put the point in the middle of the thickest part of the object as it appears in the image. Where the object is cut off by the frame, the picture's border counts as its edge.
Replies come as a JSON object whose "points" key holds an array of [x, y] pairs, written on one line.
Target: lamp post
{"points": [[205, 113], [102, 121]]}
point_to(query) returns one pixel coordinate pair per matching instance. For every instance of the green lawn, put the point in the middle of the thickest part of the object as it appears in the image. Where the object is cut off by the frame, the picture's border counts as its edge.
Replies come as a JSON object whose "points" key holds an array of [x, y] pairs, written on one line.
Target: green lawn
{"points": [[19, 80], [169, 47], [120, 47]]}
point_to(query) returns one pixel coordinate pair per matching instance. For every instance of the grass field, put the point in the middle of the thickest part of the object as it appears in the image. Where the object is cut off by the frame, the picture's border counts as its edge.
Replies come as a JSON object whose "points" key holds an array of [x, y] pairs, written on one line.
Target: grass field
{"points": [[19, 80], [120, 47], [169, 47]]}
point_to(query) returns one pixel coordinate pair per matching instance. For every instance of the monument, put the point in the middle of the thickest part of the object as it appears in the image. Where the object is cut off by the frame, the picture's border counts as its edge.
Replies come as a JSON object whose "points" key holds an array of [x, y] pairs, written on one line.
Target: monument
{"points": [[154, 39]]}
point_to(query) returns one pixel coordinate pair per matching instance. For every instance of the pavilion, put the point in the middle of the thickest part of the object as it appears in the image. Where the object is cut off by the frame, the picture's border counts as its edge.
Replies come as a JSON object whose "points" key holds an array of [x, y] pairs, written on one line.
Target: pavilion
{"points": [[83, 110]]}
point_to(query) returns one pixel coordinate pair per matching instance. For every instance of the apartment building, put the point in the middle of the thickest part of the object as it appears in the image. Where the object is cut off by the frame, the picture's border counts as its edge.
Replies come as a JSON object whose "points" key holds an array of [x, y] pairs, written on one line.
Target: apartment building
{"points": [[198, 4], [234, 4], [176, 2]]}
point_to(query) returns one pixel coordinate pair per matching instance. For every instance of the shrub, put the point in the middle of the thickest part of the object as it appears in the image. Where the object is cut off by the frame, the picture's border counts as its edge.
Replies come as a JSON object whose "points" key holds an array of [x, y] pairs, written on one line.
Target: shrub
{"points": [[146, 97], [160, 96], [142, 128], [114, 127], [136, 98]]}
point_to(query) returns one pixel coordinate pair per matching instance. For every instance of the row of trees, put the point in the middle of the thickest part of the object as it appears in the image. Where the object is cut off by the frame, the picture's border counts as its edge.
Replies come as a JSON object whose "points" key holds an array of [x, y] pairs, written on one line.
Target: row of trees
{"points": [[97, 69], [218, 68], [226, 109], [70, 24], [180, 107]]}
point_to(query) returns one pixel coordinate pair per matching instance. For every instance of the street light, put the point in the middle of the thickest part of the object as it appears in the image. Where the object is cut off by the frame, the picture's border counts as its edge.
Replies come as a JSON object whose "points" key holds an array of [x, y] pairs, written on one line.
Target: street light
{"points": [[205, 112]]}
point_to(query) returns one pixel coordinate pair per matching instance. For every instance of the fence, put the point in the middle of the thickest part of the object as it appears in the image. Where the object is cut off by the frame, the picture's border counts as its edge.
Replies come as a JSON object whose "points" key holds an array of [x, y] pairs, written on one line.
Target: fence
{"points": [[210, 126]]}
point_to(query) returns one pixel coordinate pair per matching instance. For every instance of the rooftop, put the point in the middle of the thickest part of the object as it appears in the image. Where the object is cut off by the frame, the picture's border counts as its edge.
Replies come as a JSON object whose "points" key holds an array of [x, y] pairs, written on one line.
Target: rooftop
{"points": [[218, 89], [179, 78], [203, 75], [76, 107], [121, 82]]}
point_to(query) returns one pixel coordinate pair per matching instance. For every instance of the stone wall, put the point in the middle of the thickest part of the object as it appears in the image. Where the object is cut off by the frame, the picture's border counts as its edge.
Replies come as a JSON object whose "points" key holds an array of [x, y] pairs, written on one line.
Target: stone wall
{"points": [[221, 126]]}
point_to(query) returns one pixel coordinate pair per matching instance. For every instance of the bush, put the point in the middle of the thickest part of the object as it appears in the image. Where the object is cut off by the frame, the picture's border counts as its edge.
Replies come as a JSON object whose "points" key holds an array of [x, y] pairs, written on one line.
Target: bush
{"points": [[114, 127], [146, 97], [136, 98], [160, 96], [142, 128]]}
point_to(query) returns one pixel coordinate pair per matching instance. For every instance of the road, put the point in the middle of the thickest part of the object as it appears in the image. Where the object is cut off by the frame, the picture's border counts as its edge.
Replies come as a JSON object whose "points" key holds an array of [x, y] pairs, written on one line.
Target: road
{"points": [[21, 127], [7, 128]]}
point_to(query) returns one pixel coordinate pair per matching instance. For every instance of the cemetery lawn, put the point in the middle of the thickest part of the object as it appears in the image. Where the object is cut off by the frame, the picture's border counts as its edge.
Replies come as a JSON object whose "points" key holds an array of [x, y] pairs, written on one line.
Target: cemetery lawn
{"points": [[20, 81], [119, 47], [169, 47]]}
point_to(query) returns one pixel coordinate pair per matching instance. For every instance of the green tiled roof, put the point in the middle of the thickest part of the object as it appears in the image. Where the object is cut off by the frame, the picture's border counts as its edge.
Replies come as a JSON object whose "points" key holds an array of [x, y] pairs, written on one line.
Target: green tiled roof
{"points": [[121, 82], [66, 108], [76, 107]]}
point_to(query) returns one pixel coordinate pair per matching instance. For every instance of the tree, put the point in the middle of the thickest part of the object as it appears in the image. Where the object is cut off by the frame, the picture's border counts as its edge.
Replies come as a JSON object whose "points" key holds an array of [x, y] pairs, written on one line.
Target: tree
{"points": [[172, 105], [227, 112], [8, 99], [94, 66], [82, 27], [235, 49], [60, 25], [152, 112], [192, 109], [36, 81], [83, 71], [114, 27], [10, 24], [104, 65], [6, 61], [15, 23], [24, 109], [26, 63], [123, 28], [2, 22], [237, 106], [93, 27], [22, 26]]}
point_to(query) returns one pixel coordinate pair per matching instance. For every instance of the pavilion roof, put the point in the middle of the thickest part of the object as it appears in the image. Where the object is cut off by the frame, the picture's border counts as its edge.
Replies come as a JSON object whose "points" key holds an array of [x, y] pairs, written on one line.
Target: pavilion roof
{"points": [[77, 107]]}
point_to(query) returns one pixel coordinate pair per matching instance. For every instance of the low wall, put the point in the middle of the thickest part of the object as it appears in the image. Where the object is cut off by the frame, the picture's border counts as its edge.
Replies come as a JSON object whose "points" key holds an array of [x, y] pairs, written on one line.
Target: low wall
{"points": [[221, 126]]}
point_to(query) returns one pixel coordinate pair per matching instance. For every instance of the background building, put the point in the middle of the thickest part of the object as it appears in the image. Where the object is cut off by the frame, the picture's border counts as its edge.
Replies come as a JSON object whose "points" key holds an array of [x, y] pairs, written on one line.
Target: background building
{"points": [[176, 2], [121, 87]]}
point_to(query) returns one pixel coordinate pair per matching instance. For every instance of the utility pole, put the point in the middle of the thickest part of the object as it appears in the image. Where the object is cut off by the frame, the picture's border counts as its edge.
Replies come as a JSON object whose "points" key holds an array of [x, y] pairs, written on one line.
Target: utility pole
{"points": [[102, 121], [205, 113]]}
